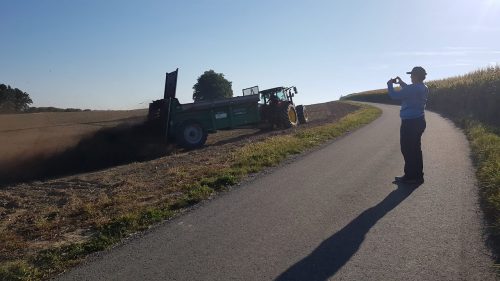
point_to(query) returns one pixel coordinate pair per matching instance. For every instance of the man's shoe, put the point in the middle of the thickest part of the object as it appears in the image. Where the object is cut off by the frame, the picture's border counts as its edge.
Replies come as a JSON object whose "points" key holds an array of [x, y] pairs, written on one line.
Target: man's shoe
{"points": [[412, 181], [399, 179]]}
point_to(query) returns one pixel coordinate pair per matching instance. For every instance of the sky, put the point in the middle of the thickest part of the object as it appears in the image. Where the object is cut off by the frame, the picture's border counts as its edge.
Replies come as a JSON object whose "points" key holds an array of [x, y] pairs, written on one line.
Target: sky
{"points": [[111, 54]]}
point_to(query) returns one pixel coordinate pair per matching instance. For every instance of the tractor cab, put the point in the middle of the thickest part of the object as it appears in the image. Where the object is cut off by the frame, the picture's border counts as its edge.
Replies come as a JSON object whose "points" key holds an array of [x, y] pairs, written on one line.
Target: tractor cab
{"points": [[277, 95], [276, 106]]}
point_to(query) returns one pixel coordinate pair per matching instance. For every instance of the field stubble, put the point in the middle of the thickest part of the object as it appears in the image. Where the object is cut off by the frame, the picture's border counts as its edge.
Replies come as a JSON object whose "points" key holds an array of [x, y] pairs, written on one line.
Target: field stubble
{"points": [[42, 214]]}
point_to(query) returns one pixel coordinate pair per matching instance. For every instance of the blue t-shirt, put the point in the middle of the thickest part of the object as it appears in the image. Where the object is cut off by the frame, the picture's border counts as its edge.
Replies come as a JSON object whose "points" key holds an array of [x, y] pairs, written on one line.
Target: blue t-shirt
{"points": [[413, 99]]}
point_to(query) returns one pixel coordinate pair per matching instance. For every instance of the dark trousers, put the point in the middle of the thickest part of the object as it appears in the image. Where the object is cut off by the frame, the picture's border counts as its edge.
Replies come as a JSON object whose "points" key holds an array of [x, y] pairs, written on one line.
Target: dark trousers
{"points": [[410, 138]]}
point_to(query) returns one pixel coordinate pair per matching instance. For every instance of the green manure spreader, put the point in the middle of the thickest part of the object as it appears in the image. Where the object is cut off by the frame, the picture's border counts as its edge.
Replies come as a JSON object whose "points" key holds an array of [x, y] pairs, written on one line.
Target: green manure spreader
{"points": [[189, 124]]}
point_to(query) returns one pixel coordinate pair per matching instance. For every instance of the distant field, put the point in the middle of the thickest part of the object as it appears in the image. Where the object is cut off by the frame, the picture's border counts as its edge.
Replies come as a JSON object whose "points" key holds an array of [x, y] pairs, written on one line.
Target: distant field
{"points": [[24, 135]]}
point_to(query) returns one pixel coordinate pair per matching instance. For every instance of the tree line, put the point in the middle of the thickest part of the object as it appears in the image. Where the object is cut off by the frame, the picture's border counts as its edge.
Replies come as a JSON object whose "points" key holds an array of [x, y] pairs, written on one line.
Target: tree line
{"points": [[210, 86], [13, 100]]}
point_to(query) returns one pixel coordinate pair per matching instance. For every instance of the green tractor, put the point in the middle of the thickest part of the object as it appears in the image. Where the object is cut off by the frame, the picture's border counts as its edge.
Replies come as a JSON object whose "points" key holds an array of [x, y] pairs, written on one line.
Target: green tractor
{"points": [[277, 108], [189, 124]]}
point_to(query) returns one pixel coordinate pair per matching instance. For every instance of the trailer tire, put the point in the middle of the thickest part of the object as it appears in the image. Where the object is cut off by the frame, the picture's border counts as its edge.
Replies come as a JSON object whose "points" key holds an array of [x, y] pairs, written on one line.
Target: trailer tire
{"points": [[302, 114], [191, 135], [288, 116]]}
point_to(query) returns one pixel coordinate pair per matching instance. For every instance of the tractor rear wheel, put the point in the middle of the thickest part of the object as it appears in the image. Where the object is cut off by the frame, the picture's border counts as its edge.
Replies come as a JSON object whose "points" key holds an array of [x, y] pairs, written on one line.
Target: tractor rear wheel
{"points": [[191, 134], [288, 116], [302, 114]]}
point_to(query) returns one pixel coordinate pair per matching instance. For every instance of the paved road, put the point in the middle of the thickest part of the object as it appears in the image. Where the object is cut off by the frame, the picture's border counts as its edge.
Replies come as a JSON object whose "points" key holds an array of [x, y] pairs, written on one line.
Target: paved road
{"points": [[331, 215]]}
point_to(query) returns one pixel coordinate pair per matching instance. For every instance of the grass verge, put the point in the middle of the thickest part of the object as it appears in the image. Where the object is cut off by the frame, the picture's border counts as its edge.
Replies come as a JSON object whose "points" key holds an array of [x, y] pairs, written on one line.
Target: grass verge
{"points": [[251, 158], [485, 145]]}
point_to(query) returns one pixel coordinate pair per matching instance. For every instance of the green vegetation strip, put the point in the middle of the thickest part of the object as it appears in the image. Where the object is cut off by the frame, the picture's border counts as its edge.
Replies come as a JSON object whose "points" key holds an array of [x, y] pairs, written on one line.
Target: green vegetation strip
{"points": [[485, 144], [249, 159]]}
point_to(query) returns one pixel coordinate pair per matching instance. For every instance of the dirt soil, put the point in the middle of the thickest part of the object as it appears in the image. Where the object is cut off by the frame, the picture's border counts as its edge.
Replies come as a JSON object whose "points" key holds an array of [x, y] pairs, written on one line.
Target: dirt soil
{"points": [[27, 136], [38, 214]]}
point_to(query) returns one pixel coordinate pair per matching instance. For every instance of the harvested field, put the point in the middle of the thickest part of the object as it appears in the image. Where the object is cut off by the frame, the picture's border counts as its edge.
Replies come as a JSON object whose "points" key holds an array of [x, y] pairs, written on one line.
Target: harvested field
{"points": [[39, 215], [28, 141], [25, 135], [46, 145]]}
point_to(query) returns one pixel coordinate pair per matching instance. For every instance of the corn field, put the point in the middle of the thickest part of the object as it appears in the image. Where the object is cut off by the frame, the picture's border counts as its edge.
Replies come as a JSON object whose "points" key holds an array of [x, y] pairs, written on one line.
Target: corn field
{"points": [[475, 95]]}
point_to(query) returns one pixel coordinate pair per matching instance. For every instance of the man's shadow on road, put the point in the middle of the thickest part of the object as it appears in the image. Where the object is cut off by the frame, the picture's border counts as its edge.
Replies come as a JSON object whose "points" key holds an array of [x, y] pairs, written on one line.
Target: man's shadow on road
{"points": [[332, 254]]}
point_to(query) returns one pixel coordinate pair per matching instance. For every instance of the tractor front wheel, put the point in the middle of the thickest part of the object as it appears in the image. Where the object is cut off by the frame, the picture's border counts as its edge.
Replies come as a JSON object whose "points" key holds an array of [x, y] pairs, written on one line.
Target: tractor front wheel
{"points": [[191, 135], [302, 114]]}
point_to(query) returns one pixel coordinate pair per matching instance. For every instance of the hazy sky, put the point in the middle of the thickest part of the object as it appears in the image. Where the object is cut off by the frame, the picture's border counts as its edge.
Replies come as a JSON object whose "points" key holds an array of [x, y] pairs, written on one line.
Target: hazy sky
{"points": [[107, 54]]}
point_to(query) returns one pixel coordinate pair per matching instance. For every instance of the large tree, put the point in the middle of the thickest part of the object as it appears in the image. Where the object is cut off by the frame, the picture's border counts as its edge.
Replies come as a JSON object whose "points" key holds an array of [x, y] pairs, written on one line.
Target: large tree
{"points": [[212, 86], [13, 100]]}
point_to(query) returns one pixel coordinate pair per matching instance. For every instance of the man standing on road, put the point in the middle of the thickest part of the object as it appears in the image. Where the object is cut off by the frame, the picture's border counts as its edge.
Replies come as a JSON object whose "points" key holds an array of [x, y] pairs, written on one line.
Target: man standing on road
{"points": [[413, 99]]}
